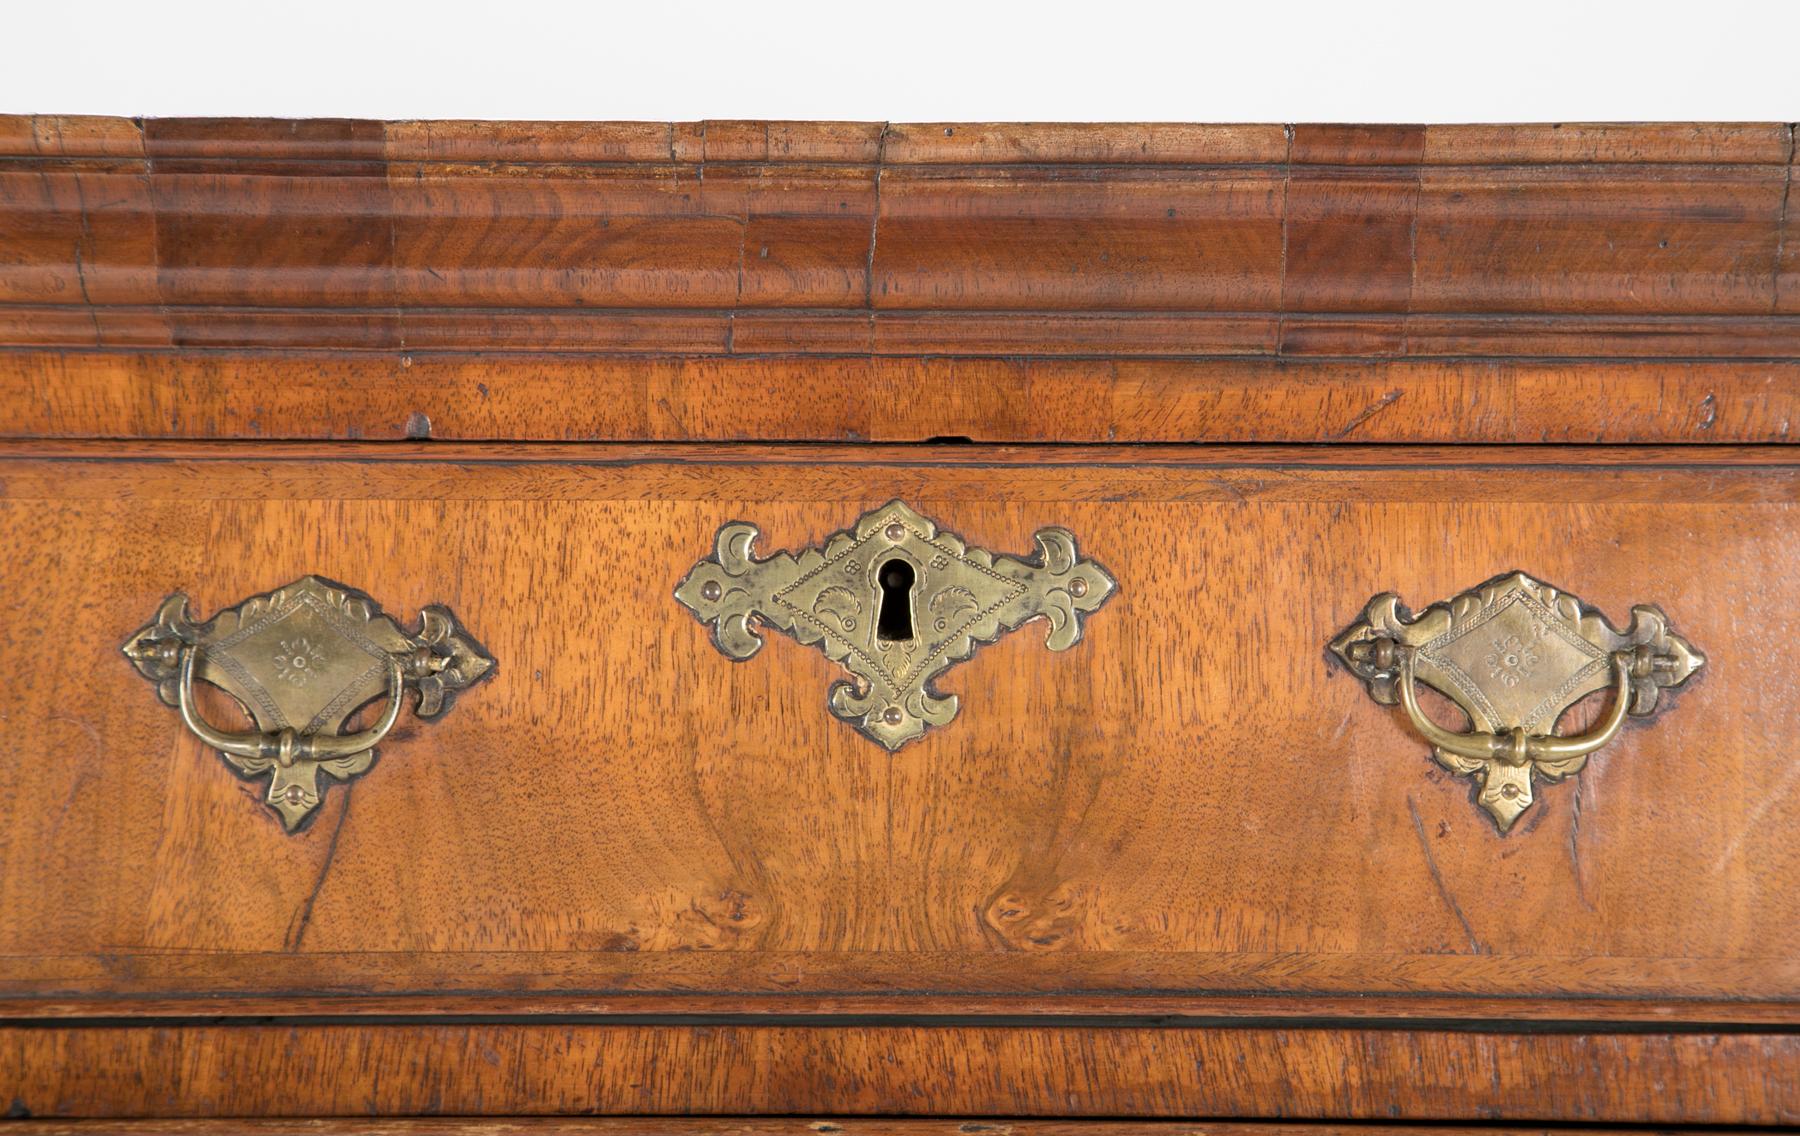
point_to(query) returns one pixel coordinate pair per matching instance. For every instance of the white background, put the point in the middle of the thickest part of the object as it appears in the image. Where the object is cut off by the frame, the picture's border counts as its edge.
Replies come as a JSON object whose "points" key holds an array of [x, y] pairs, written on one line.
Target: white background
{"points": [[894, 60]]}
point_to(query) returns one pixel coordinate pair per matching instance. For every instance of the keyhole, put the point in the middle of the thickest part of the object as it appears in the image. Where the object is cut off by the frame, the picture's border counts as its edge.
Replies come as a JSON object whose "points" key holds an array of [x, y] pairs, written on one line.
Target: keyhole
{"points": [[894, 622]]}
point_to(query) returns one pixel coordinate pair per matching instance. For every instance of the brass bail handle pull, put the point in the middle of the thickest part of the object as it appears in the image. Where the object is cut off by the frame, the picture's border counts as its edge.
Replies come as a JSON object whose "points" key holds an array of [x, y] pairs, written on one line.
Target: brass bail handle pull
{"points": [[287, 746], [1517, 747], [1515, 654]]}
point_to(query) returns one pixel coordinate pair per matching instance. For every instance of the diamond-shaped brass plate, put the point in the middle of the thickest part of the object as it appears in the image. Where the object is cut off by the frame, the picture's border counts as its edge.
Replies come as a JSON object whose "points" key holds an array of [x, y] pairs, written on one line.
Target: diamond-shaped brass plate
{"points": [[1516, 662], [1514, 654], [301, 660], [298, 659], [832, 598]]}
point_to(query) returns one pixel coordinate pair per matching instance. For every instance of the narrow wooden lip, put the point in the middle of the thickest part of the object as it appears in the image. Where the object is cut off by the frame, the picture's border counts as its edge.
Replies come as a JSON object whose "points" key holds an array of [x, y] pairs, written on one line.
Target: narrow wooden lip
{"points": [[1203, 455], [1668, 992], [1439, 1013], [898, 144], [811, 1124]]}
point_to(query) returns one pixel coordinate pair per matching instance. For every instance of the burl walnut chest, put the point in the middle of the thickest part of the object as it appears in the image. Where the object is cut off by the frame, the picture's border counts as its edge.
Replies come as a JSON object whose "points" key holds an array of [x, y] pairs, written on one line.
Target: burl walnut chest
{"points": [[809, 627]]}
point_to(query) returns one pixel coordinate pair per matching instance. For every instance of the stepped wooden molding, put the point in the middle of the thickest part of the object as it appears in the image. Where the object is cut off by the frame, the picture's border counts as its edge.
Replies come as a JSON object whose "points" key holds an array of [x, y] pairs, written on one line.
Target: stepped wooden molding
{"points": [[1159, 282]]}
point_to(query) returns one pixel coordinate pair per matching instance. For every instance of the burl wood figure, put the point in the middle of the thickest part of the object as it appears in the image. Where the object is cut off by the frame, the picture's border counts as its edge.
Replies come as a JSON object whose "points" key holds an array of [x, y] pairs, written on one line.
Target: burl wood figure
{"points": [[1256, 629]]}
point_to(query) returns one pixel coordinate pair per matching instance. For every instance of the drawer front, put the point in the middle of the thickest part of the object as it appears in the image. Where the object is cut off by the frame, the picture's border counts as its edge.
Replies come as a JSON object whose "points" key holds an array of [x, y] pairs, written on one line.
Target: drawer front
{"points": [[1191, 840], [1194, 802]]}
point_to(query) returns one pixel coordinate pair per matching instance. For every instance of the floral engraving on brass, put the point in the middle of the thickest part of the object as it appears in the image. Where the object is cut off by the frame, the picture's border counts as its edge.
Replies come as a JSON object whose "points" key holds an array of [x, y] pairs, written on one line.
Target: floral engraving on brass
{"points": [[895, 601], [1514, 654], [300, 661]]}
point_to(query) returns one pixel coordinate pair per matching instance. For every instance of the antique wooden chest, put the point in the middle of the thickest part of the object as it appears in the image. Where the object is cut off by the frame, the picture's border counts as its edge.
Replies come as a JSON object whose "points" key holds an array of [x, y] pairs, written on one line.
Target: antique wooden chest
{"points": [[780, 627]]}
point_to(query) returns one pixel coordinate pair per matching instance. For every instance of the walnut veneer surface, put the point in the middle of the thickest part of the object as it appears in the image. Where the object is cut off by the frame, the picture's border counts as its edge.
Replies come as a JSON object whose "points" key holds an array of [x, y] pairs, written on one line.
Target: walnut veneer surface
{"points": [[1187, 869], [842, 281]]}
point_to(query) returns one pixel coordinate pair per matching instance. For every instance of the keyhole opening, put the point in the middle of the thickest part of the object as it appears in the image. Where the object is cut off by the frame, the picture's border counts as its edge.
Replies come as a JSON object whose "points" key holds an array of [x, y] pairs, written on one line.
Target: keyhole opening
{"points": [[894, 621]]}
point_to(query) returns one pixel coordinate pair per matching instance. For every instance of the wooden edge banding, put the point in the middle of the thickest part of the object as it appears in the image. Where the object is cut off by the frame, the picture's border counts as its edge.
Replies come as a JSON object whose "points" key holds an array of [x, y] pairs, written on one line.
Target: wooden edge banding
{"points": [[1108, 983], [863, 1069], [764, 1126], [588, 398], [894, 143], [949, 456], [1267, 1010], [869, 475]]}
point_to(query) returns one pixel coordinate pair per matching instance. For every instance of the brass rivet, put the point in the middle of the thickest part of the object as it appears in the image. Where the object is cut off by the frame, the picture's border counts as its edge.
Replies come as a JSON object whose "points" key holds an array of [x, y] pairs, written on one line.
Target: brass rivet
{"points": [[896, 531], [1078, 587], [295, 794], [710, 590], [892, 715], [1509, 791]]}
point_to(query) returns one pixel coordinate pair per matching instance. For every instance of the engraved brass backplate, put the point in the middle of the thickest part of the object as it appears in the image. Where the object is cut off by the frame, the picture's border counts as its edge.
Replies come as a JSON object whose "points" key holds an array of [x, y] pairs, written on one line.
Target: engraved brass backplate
{"points": [[301, 660], [1514, 654], [895, 601]]}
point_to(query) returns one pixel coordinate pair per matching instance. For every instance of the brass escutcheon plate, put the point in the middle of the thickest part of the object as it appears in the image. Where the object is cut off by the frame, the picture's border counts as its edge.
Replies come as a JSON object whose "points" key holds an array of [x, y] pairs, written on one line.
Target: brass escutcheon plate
{"points": [[895, 601], [1514, 654], [301, 660]]}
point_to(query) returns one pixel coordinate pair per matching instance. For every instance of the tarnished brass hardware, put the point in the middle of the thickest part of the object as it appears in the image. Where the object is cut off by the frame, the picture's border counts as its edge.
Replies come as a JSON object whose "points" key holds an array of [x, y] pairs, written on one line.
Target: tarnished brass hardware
{"points": [[1517, 747], [1514, 654], [895, 602], [288, 746], [301, 660]]}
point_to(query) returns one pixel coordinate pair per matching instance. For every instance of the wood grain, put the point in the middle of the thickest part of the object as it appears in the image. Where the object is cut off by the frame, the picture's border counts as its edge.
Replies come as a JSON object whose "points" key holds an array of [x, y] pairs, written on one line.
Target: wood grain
{"points": [[753, 1126], [967, 1071], [836, 281], [1187, 870], [199, 394], [623, 817]]}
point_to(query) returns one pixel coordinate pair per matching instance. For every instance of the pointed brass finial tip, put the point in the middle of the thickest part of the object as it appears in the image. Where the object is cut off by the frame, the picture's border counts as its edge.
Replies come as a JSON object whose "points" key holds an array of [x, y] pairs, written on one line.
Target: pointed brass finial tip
{"points": [[292, 805], [1506, 793], [294, 791]]}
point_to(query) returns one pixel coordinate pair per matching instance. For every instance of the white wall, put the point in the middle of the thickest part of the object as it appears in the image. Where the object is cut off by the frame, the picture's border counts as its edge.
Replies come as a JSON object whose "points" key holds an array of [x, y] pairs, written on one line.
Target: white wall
{"points": [[918, 60]]}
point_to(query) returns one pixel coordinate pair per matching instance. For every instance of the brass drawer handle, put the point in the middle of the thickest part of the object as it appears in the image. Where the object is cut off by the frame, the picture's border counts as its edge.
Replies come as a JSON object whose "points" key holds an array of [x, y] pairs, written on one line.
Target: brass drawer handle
{"points": [[1514, 654], [287, 746], [895, 601], [301, 660], [1517, 747]]}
